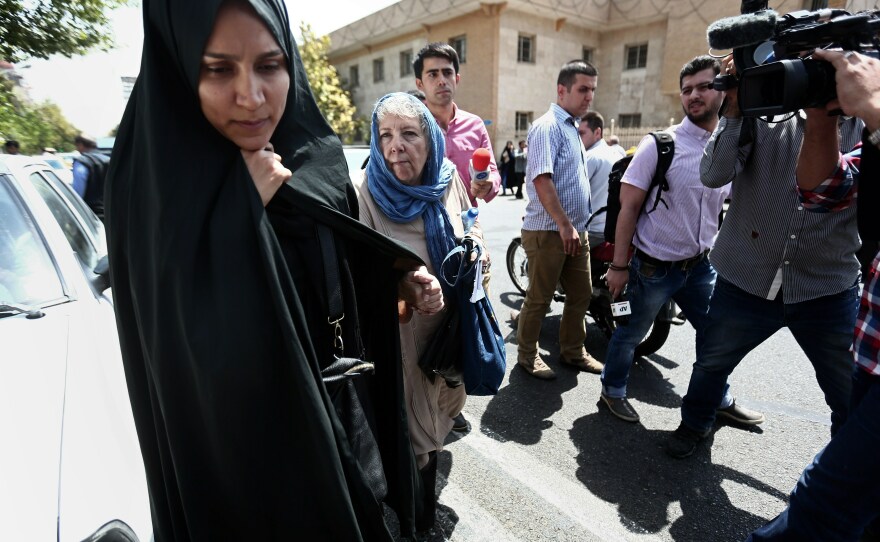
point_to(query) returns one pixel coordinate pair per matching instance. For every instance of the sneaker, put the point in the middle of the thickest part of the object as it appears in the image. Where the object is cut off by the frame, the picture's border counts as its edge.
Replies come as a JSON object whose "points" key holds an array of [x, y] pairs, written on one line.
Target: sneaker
{"points": [[537, 368], [683, 441], [620, 407], [585, 362], [740, 414], [460, 424]]}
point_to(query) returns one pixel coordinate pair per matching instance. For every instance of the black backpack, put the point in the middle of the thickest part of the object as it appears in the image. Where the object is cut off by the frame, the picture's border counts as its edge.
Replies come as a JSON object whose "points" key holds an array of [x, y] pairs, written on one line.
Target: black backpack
{"points": [[97, 163], [665, 151]]}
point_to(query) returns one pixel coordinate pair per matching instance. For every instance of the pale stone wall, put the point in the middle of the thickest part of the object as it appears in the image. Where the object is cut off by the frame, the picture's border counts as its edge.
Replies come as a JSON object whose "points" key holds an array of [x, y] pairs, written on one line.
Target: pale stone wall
{"points": [[495, 86], [367, 92], [531, 87]]}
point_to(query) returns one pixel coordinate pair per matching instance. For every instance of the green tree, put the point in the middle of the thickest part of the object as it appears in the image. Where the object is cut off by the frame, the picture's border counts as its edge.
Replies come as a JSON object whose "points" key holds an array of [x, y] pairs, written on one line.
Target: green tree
{"points": [[34, 126], [333, 101], [39, 28]]}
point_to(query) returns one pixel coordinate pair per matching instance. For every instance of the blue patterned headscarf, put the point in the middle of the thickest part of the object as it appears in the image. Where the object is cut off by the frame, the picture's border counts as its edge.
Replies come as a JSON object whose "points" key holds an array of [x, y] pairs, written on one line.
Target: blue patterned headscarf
{"points": [[402, 203]]}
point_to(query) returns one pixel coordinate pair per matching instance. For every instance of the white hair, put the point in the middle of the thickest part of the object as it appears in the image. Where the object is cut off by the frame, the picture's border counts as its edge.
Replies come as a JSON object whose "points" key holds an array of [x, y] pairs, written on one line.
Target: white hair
{"points": [[405, 107]]}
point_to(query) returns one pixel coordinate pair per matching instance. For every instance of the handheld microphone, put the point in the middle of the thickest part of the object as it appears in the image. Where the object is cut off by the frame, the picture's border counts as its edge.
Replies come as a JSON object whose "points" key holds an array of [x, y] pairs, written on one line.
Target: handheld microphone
{"points": [[742, 30], [480, 165]]}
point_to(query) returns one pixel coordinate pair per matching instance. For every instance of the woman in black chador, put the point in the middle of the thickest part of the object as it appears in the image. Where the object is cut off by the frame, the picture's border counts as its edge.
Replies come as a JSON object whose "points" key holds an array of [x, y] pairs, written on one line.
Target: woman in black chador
{"points": [[227, 198]]}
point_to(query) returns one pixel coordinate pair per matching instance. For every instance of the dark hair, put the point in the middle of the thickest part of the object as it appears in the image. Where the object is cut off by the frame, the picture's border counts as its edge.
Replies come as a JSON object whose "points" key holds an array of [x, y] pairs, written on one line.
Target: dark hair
{"points": [[571, 69], [594, 120], [86, 140], [698, 64], [434, 50], [417, 93], [11, 143]]}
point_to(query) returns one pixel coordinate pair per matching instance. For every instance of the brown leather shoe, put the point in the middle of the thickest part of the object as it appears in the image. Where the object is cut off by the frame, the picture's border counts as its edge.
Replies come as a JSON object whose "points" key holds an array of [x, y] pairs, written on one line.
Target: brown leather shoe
{"points": [[537, 368], [585, 363]]}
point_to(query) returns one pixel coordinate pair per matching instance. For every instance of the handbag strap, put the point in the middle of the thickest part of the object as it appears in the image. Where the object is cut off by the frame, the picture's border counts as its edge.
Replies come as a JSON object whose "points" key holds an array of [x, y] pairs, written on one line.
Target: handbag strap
{"points": [[332, 285], [465, 265]]}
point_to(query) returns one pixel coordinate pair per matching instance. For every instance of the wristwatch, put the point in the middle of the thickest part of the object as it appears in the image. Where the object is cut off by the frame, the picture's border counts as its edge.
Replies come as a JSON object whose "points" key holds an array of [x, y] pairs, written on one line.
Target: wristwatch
{"points": [[874, 137]]}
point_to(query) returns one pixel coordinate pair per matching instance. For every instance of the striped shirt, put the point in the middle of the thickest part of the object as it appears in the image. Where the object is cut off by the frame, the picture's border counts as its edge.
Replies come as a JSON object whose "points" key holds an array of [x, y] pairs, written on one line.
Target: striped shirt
{"points": [[768, 241], [866, 346], [556, 148], [835, 194], [600, 158], [688, 223]]}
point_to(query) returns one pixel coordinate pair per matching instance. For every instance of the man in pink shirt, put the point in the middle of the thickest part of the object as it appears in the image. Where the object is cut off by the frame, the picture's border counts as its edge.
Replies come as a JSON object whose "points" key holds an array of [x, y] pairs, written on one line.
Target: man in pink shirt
{"points": [[436, 71]]}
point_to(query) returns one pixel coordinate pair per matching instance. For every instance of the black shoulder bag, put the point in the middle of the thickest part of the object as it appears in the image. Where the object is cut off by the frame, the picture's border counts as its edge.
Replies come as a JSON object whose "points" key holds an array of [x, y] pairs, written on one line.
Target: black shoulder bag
{"points": [[341, 378]]}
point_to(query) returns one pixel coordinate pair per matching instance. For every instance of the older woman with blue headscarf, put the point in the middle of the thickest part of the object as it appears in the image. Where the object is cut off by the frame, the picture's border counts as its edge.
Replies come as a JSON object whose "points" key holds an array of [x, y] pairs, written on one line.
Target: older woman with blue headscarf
{"points": [[413, 194]]}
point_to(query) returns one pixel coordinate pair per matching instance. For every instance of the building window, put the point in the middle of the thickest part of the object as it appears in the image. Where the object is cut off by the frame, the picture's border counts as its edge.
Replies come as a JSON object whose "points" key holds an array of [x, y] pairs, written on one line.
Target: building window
{"points": [[630, 121], [523, 121], [354, 76], [459, 43], [378, 70], [406, 61], [587, 54], [636, 56], [525, 49]]}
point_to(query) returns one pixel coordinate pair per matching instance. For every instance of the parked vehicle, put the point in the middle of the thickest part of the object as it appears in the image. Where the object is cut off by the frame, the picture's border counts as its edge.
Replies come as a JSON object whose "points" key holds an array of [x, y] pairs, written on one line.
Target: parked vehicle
{"points": [[356, 157], [71, 464], [600, 302]]}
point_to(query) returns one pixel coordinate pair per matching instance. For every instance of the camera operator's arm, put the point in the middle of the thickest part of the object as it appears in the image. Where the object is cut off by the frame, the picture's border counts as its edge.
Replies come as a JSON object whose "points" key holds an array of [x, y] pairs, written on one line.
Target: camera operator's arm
{"points": [[819, 156], [724, 157], [858, 85]]}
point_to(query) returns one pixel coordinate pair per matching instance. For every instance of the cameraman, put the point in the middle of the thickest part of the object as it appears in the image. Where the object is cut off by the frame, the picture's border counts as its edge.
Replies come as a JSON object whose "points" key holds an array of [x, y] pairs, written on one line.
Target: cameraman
{"points": [[838, 495], [778, 266]]}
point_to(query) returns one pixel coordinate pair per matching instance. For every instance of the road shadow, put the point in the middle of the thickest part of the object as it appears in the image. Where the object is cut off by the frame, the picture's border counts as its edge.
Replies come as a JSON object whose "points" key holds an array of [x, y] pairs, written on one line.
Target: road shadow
{"points": [[506, 418], [627, 466], [446, 518], [512, 300]]}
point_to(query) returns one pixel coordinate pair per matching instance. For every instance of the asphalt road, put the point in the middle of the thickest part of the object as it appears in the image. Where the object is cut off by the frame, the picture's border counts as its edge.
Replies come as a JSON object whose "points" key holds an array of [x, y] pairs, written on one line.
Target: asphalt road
{"points": [[546, 462]]}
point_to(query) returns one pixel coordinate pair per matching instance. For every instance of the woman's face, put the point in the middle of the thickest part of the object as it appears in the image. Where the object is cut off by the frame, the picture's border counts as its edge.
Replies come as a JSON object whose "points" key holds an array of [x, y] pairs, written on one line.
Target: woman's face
{"points": [[243, 80], [404, 147]]}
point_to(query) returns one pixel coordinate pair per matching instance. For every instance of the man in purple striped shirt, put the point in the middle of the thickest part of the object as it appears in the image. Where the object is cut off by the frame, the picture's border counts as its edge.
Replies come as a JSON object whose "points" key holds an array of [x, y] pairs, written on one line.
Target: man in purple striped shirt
{"points": [[671, 241], [837, 494]]}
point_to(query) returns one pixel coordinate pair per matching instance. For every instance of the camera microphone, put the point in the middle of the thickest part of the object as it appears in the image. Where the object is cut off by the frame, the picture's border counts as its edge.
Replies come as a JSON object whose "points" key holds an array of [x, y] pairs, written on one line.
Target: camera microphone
{"points": [[742, 30]]}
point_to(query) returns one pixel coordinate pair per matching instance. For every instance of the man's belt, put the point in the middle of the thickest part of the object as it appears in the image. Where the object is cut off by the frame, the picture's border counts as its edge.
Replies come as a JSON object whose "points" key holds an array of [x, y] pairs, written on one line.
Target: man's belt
{"points": [[684, 265]]}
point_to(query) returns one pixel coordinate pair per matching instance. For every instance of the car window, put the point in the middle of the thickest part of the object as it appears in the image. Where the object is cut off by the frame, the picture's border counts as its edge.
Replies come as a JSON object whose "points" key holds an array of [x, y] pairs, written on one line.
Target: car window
{"points": [[75, 233], [28, 274], [86, 215]]}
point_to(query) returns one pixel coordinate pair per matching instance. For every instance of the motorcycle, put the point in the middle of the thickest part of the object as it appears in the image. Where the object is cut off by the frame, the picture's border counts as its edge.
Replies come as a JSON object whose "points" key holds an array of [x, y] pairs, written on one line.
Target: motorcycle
{"points": [[600, 301]]}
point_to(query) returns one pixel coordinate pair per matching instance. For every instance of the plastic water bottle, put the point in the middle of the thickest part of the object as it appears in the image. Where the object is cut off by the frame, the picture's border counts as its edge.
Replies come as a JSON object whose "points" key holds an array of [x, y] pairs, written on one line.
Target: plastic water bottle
{"points": [[468, 218]]}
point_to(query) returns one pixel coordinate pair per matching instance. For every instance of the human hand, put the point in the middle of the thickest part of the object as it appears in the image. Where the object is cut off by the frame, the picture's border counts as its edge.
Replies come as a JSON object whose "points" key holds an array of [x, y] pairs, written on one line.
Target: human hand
{"points": [[267, 171], [422, 291], [731, 100], [481, 189], [858, 84], [571, 241], [617, 280]]}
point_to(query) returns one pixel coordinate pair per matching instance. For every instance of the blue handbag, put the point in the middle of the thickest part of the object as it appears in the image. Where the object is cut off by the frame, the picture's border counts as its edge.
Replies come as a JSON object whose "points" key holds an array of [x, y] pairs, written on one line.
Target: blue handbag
{"points": [[483, 358]]}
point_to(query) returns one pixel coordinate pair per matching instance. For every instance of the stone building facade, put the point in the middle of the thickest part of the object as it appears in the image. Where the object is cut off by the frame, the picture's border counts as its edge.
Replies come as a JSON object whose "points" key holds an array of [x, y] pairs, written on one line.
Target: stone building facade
{"points": [[513, 51]]}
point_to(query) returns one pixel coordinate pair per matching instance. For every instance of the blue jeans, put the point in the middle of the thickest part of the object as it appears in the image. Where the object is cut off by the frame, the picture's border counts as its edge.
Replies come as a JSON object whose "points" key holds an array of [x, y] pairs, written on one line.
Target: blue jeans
{"points": [[649, 288], [838, 494], [739, 322]]}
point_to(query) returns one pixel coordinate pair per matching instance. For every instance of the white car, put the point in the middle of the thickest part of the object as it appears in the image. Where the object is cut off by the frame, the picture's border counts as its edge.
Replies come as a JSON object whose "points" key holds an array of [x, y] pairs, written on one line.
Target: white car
{"points": [[70, 463], [356, 158]]}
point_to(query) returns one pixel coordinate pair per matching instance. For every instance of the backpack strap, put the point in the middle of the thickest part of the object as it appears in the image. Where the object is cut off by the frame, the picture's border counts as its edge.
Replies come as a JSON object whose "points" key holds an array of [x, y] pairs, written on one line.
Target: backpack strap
{"points": [[665, 152]]}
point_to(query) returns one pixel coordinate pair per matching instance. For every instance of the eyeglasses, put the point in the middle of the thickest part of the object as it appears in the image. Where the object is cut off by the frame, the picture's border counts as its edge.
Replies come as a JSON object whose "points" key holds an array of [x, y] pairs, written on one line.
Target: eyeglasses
{"points": [[702, 87]]}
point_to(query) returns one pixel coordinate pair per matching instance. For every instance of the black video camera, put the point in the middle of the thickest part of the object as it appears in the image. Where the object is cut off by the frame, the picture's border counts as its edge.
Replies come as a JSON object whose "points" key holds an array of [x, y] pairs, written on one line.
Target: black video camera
{"points": [[767, 50]]}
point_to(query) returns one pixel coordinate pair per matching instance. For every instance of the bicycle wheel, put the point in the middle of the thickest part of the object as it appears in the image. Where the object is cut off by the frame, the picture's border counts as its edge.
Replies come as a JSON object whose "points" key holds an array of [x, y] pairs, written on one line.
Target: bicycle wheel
{"points": [[518, 265]]}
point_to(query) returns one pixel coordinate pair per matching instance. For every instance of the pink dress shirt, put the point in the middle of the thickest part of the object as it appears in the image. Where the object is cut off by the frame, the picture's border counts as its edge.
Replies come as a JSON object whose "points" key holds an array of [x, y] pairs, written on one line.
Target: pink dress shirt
{"points": [[465, 134]]}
